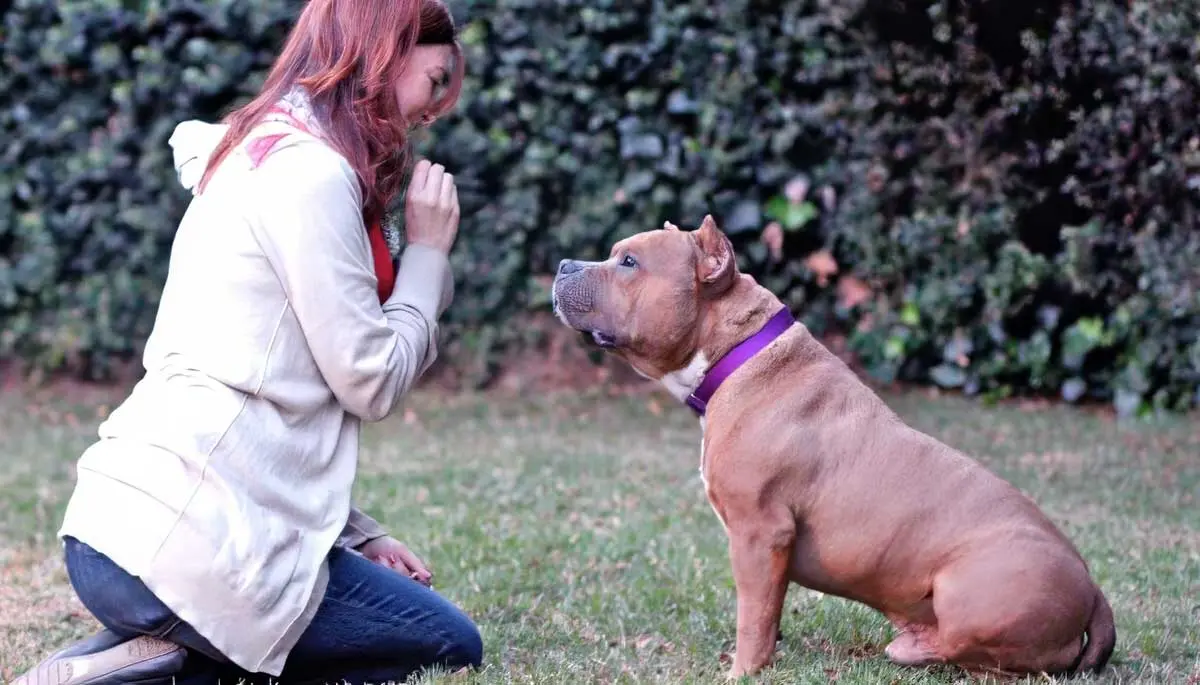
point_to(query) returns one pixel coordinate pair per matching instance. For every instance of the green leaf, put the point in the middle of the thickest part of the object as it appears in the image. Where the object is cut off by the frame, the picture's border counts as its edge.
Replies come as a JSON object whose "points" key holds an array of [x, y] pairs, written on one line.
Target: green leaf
{"points": [[791, 215]]}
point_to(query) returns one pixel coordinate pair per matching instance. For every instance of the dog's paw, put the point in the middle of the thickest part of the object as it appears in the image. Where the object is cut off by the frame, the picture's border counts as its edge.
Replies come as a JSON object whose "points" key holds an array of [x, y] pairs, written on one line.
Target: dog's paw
{"points": [[736, 674], [736, 670], [740, 669]]}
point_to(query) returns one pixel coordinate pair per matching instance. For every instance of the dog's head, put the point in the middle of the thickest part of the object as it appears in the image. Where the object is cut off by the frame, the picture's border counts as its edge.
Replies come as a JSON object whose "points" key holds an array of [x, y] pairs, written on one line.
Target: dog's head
{"points": [[645, 303]]}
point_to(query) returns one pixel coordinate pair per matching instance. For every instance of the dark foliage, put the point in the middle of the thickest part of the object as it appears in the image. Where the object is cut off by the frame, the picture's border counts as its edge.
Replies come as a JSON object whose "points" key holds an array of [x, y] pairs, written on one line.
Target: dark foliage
{"points": [[997, 197]]}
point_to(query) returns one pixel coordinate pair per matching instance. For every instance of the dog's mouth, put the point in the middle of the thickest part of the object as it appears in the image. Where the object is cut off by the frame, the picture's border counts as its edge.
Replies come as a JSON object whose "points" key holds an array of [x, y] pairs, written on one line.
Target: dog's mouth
{"points": [[600, 339], [605, 341]]}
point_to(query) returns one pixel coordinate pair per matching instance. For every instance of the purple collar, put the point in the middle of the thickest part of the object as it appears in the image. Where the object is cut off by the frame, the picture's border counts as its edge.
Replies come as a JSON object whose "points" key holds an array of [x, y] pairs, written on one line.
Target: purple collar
{"points": [[739, 355]]}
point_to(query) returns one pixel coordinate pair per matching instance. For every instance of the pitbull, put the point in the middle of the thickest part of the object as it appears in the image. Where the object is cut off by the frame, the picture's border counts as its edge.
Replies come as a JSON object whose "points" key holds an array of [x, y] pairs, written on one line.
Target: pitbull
{"points": [[817, 482]]}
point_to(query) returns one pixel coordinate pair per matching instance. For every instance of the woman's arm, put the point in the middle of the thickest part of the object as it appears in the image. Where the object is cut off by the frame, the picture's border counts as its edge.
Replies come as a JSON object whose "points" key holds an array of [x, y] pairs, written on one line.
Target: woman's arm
{"points": [[360, 529], [311, 230]]}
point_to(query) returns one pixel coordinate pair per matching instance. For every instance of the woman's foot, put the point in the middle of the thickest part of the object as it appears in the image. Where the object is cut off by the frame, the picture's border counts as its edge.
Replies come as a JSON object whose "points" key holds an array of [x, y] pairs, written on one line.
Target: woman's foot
{"points": [[107, 659]]}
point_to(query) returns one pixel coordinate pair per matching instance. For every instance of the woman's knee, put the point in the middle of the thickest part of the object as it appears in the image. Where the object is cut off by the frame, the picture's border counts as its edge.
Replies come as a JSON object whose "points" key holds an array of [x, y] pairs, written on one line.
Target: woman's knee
{"points": [[464, 648], [118, 600]]}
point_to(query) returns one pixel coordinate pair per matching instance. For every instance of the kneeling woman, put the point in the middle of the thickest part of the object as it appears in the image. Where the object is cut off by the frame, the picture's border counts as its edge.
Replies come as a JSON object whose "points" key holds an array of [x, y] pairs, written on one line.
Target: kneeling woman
{"points": [[211, 530]]}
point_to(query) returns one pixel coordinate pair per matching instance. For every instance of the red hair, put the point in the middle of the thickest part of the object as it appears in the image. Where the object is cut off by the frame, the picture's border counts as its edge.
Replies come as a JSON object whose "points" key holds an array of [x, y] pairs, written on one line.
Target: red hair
{"points": [[348, 55]]}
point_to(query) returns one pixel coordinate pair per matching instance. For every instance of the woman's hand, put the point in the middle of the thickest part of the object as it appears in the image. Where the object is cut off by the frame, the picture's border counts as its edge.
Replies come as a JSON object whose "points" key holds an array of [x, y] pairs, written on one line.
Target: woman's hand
{"points": [[431, 209], [390, 552]]}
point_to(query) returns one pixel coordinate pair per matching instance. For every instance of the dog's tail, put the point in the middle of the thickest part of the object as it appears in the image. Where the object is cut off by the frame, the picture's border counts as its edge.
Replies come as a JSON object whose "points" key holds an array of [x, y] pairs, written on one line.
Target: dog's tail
{"points": [[1101, 637]]}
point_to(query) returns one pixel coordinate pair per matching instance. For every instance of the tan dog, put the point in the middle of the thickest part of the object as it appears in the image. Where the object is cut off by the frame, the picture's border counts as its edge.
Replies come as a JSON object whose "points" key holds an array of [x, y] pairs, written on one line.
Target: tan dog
{"points": [[818, 482]]}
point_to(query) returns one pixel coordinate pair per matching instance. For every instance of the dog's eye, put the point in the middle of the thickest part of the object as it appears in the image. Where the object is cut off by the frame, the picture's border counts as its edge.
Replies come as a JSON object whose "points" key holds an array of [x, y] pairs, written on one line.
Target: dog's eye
{"points": [[629, 261]]}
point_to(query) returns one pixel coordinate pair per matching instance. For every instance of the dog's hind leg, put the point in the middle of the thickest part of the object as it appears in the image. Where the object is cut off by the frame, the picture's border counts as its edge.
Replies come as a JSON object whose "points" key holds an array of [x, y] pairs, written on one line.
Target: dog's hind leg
{"points": [[1012, 614]]}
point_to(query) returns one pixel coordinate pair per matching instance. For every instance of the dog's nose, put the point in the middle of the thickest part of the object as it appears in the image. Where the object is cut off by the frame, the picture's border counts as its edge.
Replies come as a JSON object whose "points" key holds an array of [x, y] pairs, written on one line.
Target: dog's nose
{"points": [[568, 266]]}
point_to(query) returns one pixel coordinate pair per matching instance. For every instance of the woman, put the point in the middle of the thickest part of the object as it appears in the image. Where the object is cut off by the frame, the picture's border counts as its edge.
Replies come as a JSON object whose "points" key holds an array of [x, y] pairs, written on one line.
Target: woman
{"points": [[211, 530]]}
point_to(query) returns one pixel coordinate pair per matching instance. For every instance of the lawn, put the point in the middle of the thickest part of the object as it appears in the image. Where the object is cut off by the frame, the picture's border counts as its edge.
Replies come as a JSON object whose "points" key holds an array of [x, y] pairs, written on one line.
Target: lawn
{"points": [[574, 529]]}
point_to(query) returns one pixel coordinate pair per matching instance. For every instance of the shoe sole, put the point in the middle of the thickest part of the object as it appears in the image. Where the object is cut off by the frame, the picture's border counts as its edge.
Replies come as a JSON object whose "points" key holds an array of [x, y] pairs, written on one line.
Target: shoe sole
{"points": [[92, 668]]}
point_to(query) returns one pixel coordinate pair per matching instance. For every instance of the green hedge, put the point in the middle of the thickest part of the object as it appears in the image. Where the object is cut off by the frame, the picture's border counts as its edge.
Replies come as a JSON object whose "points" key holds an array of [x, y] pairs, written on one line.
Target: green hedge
{"points": [[89, 94], [1008, 194]]}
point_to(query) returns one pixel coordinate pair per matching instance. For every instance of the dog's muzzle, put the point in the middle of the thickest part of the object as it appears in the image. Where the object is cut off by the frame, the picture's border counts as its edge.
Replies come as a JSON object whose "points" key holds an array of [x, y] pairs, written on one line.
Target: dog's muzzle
{"points": [[571, 292], [573, 296]]}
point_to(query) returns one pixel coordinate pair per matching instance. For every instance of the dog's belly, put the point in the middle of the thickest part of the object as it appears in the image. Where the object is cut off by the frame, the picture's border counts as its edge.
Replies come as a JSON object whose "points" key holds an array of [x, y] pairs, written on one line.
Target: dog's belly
{"points": [[809, 570], [806, 569], [901, 591]]}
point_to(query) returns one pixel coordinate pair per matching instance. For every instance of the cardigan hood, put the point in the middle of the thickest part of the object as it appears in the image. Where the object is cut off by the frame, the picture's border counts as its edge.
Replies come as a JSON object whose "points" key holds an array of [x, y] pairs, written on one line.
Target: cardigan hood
{"points": [[193, 141]]}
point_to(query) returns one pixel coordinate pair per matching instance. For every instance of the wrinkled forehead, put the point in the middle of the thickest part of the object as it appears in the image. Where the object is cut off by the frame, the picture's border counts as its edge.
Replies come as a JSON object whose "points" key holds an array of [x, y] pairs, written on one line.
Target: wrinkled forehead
{"points": [[657, 244]]}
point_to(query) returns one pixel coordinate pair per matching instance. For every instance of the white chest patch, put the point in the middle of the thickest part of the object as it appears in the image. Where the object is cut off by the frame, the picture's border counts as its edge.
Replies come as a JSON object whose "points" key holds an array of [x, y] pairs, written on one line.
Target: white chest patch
{"points": [[683, 382]]}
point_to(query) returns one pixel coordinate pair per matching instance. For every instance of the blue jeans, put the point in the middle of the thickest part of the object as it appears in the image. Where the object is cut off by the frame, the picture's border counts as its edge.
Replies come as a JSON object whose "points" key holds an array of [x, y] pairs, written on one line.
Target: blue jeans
{"points": [[373, 625]]}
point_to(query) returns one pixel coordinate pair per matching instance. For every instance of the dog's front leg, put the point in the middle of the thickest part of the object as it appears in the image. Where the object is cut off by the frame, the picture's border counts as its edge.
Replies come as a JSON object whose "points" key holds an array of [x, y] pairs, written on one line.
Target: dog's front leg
{"points": [[760, 549]]}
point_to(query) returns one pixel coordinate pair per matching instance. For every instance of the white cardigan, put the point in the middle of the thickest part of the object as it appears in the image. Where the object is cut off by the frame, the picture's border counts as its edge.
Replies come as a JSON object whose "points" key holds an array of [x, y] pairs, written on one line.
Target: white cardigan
{"points": [[225, 478]]}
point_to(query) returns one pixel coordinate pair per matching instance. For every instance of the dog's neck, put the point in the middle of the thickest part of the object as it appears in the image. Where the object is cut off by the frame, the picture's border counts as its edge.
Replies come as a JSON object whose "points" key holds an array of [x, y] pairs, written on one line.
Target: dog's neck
{"points": [[734, 317]]}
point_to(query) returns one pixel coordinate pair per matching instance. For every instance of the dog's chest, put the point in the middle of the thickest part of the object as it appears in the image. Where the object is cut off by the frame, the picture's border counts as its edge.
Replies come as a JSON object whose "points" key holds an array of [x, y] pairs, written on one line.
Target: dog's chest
{"points": [[708, 492], [682, 383]]}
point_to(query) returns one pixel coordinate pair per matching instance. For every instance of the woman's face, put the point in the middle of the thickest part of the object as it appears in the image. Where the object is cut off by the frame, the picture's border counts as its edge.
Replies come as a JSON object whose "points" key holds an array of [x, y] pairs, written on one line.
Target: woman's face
{"points": [[423, 81]]}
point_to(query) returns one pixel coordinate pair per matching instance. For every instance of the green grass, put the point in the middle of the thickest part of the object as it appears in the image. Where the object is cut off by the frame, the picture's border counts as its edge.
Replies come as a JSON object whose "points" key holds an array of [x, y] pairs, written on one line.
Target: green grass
{"points": [[575, 531]]}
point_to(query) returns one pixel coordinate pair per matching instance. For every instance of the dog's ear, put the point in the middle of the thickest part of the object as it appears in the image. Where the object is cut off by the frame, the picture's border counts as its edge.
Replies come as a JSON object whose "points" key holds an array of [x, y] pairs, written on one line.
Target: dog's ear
{"points": [[718, 266]]}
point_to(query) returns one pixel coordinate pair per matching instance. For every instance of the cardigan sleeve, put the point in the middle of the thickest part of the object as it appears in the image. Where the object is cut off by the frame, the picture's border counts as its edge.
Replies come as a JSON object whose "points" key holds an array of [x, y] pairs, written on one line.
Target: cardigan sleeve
{"points": [[310, 227], [359, 530]]}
